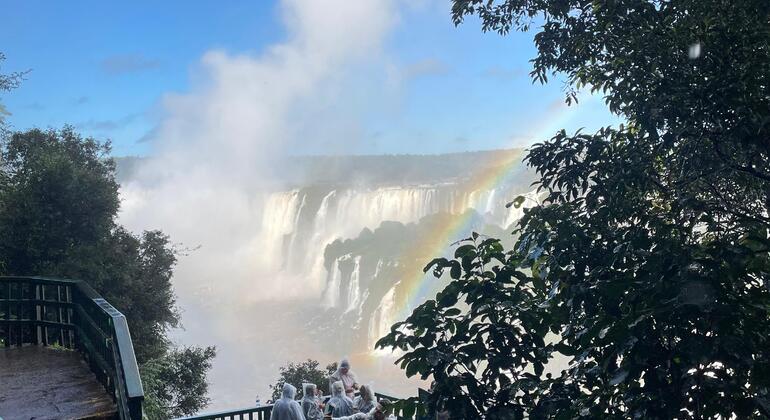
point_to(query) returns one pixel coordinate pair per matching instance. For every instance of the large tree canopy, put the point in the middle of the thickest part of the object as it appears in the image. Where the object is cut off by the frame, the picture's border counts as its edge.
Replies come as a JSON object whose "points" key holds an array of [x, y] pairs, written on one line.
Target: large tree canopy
{"points": [[647, 266]]}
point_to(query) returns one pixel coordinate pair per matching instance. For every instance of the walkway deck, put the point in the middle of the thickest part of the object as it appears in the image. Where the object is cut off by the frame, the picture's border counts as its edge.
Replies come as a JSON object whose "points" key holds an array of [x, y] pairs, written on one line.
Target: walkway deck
{"points": [[43, 383]]}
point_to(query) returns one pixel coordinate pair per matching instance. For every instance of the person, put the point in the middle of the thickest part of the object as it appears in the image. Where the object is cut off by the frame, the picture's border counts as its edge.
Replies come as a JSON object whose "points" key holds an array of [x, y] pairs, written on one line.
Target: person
{"points": [[311, 405], [339, 404], [366, 400], [286, 408], [346, 376], [376, 413]]}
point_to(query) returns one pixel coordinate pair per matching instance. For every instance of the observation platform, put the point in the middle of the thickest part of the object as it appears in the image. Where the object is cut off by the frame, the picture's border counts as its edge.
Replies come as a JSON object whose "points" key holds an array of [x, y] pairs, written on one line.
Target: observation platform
{"points": [[65, 353], [43, 383]]}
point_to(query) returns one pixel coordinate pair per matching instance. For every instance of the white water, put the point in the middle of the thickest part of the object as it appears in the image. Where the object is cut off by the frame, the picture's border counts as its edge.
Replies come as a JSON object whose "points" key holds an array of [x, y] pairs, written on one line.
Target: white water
{"points": [[332, 292], [354, 292], [344, 213], [381, 319], [297, 226]]}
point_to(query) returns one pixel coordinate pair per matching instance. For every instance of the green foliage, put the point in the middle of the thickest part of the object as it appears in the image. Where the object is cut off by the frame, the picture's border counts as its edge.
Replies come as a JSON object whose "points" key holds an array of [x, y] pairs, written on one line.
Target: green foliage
{"points": [[134, 274], [647, 266], [176, 383], [58, 195], [308, 371], [8, 82], [58, 205], [479, 334]]}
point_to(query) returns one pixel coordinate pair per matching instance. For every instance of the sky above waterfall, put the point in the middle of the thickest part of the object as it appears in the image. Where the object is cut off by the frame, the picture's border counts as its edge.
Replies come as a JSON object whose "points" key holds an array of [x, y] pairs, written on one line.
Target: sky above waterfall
{"points": [[306, 76]]}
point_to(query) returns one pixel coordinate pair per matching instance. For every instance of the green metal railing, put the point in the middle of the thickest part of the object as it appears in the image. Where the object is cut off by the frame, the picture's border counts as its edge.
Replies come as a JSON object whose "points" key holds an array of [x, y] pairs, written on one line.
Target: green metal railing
{"points": [[257, 413], [250, 413], [70, 314]]}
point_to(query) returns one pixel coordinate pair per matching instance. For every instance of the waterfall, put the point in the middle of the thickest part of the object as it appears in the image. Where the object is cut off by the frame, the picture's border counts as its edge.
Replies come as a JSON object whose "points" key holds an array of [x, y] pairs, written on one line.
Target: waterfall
{"points": [[332, 293], [382, 317], [290, 250], [299, 224], [278, 220], [354, 291], [321, 218]]}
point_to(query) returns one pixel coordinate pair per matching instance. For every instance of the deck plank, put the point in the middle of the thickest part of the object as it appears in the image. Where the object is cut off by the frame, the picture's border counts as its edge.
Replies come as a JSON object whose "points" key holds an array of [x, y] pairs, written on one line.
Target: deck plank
{"points": [[44, 383]]}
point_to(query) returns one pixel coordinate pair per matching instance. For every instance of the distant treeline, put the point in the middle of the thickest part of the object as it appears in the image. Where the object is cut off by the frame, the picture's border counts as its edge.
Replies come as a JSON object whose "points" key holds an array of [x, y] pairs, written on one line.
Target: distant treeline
{"points": [[375, 170]]}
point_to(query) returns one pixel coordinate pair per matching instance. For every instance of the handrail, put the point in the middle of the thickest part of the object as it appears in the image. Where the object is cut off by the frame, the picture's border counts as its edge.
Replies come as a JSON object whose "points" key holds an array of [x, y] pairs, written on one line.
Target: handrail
{"points": [[69, 313], [261, 412], [258, 413]]}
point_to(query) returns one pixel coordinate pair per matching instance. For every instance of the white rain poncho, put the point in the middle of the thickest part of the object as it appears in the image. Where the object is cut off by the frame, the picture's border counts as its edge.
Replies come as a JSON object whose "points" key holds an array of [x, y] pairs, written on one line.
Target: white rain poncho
{"points": [[371, 415], [348, 379], [365, 402], [310, 407], [339, 404], [286, 408]]}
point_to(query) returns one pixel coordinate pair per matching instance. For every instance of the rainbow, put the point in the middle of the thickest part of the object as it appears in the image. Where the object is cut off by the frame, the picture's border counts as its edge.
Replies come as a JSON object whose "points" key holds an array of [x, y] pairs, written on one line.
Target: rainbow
{"points": [[415, 286]]}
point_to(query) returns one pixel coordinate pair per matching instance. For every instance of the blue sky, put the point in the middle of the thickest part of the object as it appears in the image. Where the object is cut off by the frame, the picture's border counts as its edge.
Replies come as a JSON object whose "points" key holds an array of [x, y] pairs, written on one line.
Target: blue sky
{"points": [[106, 68]]}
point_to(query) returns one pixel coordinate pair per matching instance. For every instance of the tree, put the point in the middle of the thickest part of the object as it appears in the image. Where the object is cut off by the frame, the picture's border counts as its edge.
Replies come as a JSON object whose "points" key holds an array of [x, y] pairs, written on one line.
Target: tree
{"points": [[647, 266], [308, 371], [177, 383], [8, 82], [58, 205], [57, 218], [58, 197]]}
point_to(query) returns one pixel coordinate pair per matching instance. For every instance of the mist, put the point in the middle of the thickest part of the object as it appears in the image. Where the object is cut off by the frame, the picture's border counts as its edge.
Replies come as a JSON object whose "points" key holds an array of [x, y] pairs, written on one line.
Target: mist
{"points": [[220, 145], [285, 256], [219, 150]]}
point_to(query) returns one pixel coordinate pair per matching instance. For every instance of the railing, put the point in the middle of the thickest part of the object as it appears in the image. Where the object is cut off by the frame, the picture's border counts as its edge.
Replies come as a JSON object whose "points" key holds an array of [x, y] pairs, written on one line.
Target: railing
{"points": [[70, 314], [250, 413], [257, 413]]}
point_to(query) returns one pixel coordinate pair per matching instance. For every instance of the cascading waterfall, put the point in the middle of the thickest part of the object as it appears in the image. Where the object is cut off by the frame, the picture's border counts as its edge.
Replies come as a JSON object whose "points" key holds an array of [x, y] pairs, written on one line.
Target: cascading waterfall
{"points": [[332, 292], [301, 223], [354, 291], [278, 221], [380, 321], [310, 220]]}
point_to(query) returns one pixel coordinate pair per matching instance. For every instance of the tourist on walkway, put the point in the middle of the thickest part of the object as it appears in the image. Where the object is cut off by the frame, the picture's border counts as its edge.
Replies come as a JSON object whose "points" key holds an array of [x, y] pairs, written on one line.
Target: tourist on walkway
{"points": [[286, 408], [346, 376], [366, 400], [311, 404], [339, 404], [377, 412]]}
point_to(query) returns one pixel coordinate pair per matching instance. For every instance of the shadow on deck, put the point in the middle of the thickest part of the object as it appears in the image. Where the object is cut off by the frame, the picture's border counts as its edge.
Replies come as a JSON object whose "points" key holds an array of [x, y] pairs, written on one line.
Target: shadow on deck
{"points": [[43, 383]]}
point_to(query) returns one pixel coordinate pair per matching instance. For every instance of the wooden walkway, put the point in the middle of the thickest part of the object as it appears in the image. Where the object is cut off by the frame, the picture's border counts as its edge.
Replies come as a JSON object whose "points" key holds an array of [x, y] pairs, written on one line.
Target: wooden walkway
{"points": [[42, 383]]}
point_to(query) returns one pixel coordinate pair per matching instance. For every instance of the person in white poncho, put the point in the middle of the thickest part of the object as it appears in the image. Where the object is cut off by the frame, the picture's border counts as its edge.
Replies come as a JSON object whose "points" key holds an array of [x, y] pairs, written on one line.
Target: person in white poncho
{"points": [[366, 400], [339, 404], [287, 408], [311, 405], [346, 376], [376, 413]]}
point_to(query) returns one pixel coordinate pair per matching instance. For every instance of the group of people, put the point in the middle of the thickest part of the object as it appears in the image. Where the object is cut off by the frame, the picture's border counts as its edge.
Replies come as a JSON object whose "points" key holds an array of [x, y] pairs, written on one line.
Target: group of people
{"points": [[342, 405]]}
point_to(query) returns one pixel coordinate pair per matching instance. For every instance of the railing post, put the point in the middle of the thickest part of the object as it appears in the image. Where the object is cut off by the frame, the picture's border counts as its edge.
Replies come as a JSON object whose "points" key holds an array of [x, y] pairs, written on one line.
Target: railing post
{"points": [[38, 315], [135, 408]]}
